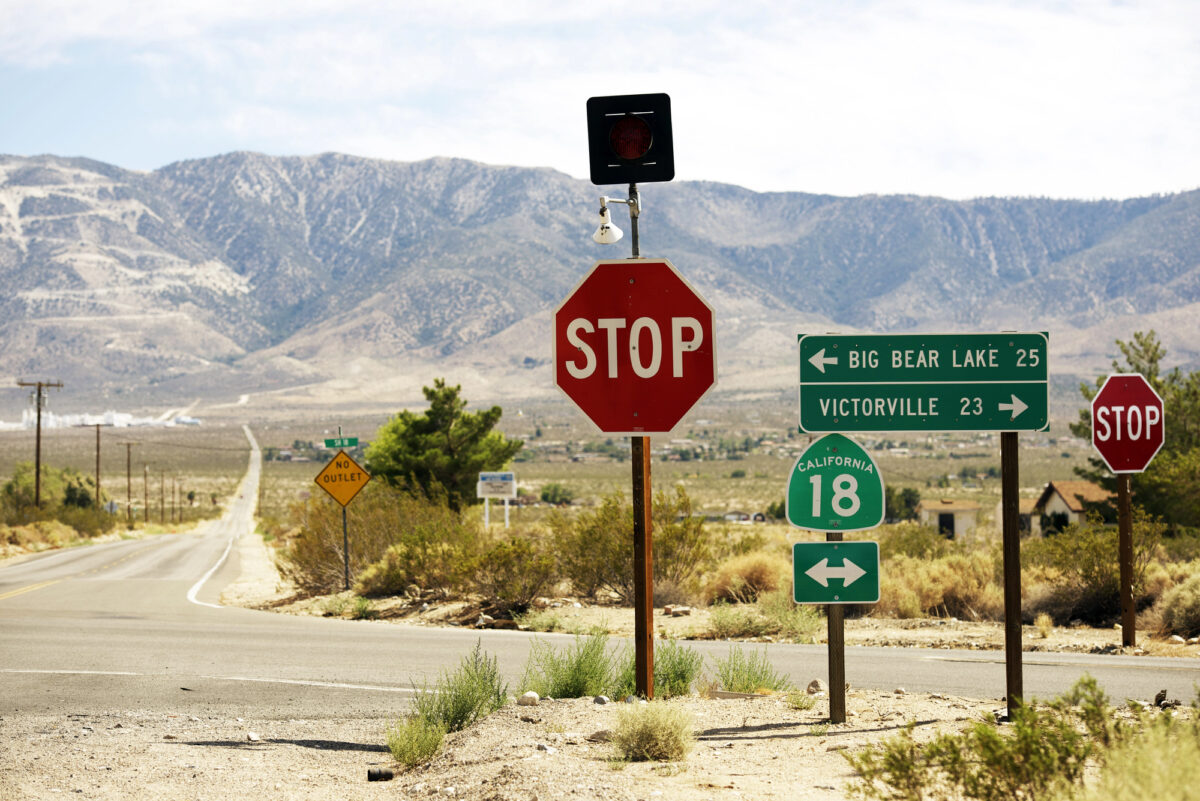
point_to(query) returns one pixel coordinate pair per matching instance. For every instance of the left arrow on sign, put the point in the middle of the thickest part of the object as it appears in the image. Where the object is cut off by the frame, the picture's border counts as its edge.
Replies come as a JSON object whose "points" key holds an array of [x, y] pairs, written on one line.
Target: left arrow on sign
{"points": [[1016, 407], [819, 360], [821, 572]]}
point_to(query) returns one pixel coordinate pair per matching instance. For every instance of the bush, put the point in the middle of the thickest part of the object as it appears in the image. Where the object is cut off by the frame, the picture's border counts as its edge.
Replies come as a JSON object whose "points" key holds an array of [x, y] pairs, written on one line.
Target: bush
{"points": [[958, 585], [557, 494], [743, 672], [676, 668], [512, 572], [1046, 750], [743, 578], [472, 692], [362, 609], [1081, 565], [414, 740], [911, 539], [595, 550], [1155, 764], [775, 614], [652, 731], [1181, 608], [579, 670]]}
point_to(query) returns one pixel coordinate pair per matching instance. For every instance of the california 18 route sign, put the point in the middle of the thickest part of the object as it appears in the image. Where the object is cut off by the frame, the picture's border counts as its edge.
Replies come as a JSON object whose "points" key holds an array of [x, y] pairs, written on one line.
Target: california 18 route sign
{"points": [[835, 485], [924, 382]]}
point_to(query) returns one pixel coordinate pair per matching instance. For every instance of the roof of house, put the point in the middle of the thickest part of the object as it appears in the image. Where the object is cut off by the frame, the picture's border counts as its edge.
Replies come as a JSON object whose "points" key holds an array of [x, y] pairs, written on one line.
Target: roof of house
{"points": [[948, 505], [1075, 494], [1026, 506]]}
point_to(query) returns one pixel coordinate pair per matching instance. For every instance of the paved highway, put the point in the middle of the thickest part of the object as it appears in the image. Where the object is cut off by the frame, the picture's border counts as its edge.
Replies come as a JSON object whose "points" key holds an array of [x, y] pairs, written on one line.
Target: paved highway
{"points": [[135, 625]]}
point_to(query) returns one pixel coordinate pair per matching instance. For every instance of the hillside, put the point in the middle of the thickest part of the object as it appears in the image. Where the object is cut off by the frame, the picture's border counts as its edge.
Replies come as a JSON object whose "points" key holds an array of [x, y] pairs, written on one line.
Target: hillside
{"points": [[336, 279]]}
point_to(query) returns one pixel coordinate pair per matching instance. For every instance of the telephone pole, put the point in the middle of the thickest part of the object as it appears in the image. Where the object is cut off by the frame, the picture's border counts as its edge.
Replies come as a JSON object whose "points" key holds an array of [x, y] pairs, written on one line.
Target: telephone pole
{"points": [[129, 484], [37, 448], [97, 425], [146, 494]]}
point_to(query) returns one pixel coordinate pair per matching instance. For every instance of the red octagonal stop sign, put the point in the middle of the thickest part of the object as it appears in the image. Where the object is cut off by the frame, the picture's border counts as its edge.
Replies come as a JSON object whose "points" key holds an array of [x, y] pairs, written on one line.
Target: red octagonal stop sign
{"points": [[1127, 422], [634, 346]]}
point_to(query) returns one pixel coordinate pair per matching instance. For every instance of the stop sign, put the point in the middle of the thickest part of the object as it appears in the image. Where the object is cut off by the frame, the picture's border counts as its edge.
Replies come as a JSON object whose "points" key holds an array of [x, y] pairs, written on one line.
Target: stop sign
{"points": [[1127, 422], [634, 346]]}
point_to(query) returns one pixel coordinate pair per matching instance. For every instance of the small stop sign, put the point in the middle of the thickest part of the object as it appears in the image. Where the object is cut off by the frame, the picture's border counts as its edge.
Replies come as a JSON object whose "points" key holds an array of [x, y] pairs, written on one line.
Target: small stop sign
{"points": [[634, 346], [1127, 423]]}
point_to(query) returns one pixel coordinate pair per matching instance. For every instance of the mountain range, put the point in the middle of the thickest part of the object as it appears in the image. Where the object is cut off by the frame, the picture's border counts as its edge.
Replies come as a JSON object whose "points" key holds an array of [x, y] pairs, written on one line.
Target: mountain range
{"points": [[306, 282]]}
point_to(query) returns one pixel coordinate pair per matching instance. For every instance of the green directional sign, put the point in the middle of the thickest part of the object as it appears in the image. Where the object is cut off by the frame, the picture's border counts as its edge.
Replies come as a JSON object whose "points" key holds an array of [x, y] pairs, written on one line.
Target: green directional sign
{"points": [[835, 485], [924, 382], [342, 442], [835, 572]]}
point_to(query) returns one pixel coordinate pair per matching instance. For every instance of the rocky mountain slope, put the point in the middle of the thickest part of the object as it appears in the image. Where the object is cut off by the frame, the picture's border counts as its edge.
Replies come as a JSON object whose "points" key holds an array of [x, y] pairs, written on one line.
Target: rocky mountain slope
{"points": [[344, 279]]}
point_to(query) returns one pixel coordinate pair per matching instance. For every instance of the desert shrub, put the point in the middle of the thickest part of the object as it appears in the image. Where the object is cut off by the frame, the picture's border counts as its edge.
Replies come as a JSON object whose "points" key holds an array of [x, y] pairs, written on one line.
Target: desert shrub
{"points": [[911, 539], [470, 693], [1181, 608], [959, 585], [595, 550], [1153, 764], [1046, 750], [749, 672], [557, 494], [539, 620], [1082, 567], [652, 731], [775, 614], [396, 540], [414, 740], [1182, 546], [676, 668], [743, 578], [513, 571], [581, 669], [362, 609]]}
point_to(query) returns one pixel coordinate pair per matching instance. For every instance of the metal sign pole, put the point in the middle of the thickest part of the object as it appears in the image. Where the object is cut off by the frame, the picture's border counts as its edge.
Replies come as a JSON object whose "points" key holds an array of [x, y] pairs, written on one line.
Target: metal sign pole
{"points": [[345, 549], [643, 569], [1011, 522], [487, 514], [835, 616], [1125, 556], [506, 513]]}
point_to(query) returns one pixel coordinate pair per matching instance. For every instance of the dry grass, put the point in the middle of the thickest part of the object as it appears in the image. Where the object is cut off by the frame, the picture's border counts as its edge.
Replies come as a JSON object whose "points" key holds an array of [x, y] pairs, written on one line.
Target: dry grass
{"points": [[653, 731], [745, 578]]}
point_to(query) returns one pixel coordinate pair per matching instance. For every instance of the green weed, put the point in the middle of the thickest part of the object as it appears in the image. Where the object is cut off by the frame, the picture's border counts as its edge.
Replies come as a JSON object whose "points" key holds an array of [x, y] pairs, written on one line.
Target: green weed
{"points": [[748, 672]]}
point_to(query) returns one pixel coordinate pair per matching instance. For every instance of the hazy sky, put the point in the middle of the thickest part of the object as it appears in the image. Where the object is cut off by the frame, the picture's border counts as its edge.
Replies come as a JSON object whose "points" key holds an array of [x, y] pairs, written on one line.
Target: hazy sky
{"points": [[940, 97]]}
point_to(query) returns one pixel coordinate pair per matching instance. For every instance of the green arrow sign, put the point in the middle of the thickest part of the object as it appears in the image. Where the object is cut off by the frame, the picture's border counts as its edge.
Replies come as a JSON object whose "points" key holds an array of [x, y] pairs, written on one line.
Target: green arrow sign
{"points": [[835, 572], [835, 486], [924, 382], [342, 442]]}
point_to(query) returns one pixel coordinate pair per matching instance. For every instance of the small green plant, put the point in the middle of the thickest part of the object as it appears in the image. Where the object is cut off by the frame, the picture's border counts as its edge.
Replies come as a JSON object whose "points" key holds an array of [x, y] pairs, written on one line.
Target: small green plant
{"points": [[1046, 751], [789, 620], [581, 669], [799, 699], [818, 730], [736, 621], [749, 672], [653, 731], [676, 668], [335, 605], [470, 693], [414, 740], [540, 620], [557, 494], [362, 609]]}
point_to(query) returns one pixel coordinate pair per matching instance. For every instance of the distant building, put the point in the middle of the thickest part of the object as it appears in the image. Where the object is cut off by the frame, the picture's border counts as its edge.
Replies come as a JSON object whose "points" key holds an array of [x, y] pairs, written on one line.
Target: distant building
{"points": [[953, 519], [1065, 502]]}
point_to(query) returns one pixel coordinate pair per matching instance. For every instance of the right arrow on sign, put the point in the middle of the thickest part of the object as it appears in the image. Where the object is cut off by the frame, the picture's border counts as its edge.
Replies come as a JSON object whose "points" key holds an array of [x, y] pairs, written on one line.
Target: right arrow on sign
{"points": [[821, 572], [819, 360], [1016, 407]]}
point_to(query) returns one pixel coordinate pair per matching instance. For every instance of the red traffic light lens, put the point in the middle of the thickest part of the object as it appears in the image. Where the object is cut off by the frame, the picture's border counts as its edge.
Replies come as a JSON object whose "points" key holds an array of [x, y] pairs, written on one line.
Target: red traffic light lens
{"points": [[630, 138]]}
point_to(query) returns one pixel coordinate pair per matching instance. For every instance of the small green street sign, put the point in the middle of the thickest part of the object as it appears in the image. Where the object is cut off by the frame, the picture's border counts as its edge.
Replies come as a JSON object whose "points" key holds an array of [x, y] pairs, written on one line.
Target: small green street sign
{"points": [[835, 485], [924, 382], [342, 442], [835, 572]]}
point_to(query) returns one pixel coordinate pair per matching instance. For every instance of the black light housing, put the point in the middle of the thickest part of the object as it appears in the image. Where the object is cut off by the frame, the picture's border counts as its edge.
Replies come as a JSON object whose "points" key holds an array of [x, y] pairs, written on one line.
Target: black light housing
{"points": [[629, 139]]}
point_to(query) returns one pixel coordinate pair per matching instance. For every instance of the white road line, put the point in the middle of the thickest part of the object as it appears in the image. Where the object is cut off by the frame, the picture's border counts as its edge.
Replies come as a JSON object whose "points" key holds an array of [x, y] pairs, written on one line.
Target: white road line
{"points": [[191, 596], [303, 682]]}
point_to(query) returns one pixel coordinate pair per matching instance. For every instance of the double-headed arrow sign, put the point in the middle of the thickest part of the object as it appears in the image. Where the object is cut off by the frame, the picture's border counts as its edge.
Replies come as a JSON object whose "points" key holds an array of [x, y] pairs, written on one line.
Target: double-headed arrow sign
{"points": [[924, 382], [836, 572]]}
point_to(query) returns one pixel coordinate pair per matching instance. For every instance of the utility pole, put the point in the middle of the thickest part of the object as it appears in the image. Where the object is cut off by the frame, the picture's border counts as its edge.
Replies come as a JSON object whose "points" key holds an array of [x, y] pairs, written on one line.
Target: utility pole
{"points": [[129, 484], [97, 425], [37, 448], [146, 494], [162, 497]]}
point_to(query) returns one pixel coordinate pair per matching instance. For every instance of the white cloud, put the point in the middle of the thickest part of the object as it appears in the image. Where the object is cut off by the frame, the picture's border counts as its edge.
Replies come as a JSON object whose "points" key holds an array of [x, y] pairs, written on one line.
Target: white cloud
{"points": [[935, 97]]}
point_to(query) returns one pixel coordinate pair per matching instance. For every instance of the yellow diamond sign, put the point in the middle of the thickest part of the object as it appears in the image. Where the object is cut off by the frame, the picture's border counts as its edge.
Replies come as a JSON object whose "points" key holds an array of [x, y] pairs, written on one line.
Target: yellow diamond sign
{"points": [[342, 478]]}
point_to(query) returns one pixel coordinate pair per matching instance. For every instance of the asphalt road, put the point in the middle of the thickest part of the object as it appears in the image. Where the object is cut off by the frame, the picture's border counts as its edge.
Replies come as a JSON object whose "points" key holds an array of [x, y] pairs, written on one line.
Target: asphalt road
{"points": [[135, 625]]}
